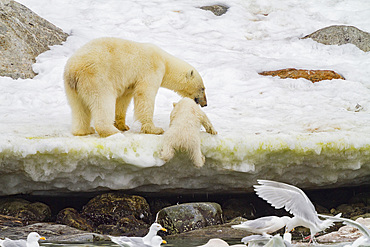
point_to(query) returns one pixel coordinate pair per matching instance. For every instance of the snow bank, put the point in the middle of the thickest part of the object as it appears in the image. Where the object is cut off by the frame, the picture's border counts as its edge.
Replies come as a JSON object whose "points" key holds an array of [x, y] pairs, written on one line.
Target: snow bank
{"points": [[289, 130]]}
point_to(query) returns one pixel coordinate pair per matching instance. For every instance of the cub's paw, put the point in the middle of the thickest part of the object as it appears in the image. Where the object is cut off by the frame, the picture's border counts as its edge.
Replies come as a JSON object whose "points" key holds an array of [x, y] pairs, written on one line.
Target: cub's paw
{"points": [[212, 131], [200, 162]]}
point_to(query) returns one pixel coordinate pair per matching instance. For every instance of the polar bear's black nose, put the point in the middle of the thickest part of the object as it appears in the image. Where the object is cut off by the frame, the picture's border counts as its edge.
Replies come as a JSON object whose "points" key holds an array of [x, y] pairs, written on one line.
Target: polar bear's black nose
{"points": [[200, 101]]}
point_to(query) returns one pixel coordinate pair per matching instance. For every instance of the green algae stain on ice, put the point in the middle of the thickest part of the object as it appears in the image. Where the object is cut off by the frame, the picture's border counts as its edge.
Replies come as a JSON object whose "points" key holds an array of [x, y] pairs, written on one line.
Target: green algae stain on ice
{"points": [[100, 146], [38, 137], [284, 151], [116, 149]]}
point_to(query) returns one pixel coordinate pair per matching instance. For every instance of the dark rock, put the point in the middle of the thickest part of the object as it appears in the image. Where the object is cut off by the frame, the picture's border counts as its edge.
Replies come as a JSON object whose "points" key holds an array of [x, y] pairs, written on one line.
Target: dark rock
{"points": [[35, 212], [70, 217], [312, 75], [23, 36], [223, 231], [361, 198], [127, 226], [52, 232], [134, 226], [119, 213], [11, 206], [157, 204], [216, 9], [26, 211], [9, 221], [350, 210], [364, 216], [190, 216], [340, 35]]}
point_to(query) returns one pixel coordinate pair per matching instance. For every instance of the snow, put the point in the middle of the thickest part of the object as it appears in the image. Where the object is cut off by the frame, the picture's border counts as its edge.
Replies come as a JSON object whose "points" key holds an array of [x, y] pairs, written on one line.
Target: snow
{"points": [[268, 127]]}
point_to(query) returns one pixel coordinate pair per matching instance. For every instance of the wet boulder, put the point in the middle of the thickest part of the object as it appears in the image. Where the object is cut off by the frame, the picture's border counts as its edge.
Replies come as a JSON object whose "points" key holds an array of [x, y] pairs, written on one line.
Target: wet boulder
{"points": [[52, 232], [128, 226], [9, 221], [116, 213], [24, 210], [190, 216], [71, 217]]}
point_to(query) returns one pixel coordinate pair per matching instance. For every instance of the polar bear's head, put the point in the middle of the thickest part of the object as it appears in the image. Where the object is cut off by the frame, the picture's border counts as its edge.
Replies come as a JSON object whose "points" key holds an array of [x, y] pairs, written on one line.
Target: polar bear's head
{"points": [[185, 80], [194, 88]]}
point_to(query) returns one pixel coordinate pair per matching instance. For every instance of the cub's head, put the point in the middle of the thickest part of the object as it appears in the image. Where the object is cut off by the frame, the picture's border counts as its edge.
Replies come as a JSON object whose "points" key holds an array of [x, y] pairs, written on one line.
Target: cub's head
{"points": [[194, 88], [185, 106]]}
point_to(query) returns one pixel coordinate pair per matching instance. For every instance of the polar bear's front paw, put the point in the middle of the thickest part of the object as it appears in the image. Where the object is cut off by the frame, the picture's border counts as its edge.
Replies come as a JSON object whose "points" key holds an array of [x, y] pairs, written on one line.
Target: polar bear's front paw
{"points": [[151, 129], [84, 132], [121, 126], [105, 130]]}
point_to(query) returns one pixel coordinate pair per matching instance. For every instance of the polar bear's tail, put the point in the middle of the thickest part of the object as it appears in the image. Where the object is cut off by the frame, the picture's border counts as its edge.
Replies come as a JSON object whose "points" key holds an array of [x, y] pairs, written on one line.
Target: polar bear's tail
{"points": [[70, 80]]}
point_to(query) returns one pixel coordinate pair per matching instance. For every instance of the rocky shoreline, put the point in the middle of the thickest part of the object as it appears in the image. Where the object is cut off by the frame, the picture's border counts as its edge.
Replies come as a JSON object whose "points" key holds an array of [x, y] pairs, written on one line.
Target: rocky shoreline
{"points": [[92, 218]]}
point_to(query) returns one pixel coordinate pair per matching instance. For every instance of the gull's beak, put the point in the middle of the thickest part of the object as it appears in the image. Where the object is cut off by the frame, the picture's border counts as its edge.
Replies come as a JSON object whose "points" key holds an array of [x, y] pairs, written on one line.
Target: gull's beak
{"points": [[42, 238], [164, 229], [164, 242]]}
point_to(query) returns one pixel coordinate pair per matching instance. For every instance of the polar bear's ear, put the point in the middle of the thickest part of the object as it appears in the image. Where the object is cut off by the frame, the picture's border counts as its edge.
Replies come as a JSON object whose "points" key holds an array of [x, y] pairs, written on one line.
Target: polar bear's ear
{"points": [[174, 104], [190, 74]]}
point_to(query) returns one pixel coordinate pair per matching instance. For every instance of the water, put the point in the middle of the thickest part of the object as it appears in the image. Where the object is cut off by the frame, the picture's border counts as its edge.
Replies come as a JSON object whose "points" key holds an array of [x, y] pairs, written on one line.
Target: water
{"points": [[171, 243]]}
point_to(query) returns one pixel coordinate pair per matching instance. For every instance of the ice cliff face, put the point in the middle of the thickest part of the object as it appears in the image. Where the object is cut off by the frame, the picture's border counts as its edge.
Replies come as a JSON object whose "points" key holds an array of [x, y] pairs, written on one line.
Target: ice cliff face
{"points": [[42, 165]]}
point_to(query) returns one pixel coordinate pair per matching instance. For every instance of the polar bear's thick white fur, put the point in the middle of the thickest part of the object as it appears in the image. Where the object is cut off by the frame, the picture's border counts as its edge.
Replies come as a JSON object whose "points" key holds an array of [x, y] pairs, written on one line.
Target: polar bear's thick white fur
{"points": [[104, 75], [183, 134]]}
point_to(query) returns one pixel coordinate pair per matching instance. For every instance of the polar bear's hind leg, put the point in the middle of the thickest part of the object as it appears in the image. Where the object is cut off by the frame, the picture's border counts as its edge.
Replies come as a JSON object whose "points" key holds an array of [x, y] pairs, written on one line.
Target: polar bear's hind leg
{"points": [[81, 115], [103, 113]]}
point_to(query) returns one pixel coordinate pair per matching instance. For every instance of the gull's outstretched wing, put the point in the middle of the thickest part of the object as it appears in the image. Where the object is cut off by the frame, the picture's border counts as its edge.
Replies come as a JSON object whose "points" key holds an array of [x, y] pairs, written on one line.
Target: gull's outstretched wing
{"points": [[293, 199], [365, 231]]}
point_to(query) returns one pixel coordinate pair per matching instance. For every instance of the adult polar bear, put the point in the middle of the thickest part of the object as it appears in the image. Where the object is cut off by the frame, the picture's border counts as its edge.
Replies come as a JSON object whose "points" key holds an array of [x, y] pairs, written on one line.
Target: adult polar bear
{"points": [[104, 75]]}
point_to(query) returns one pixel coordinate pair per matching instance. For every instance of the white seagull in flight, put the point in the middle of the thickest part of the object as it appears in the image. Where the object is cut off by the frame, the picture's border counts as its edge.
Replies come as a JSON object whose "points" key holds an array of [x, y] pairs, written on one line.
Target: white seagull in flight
{"points": [[295, 201]]}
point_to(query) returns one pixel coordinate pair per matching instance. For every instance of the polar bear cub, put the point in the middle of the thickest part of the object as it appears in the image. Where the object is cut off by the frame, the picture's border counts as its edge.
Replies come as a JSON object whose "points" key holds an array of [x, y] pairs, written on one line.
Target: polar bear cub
{"points": [[183, 134]]}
